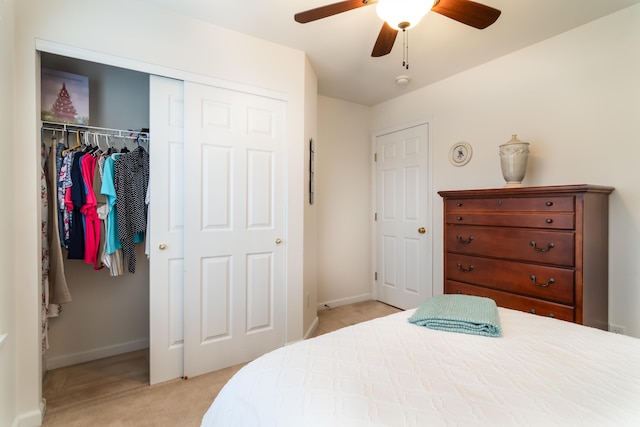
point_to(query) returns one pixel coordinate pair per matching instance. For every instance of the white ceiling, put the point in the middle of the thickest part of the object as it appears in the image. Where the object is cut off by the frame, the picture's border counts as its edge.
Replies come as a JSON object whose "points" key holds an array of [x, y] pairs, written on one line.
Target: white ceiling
{"points": [[339, 47]]}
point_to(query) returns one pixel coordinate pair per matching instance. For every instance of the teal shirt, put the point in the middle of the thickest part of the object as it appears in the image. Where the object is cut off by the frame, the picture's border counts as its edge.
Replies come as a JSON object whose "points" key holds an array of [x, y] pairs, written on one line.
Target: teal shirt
{"points": [[109, 190]]}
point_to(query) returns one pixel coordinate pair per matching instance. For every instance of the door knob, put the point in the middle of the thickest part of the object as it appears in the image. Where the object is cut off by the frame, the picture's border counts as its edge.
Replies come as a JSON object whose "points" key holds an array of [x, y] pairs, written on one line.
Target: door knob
{"points": [[278, 241], [422, 230], [162, 246]]}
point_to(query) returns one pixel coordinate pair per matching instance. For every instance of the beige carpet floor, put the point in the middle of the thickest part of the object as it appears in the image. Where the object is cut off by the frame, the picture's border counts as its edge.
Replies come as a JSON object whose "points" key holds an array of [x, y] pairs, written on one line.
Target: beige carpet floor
{"points": [[115, 391]]}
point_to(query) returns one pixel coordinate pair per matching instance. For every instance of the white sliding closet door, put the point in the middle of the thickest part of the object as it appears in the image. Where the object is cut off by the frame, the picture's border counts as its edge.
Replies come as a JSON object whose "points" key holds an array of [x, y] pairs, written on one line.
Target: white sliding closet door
{"points": [[235, 228], [166, 264], [218, 200]]}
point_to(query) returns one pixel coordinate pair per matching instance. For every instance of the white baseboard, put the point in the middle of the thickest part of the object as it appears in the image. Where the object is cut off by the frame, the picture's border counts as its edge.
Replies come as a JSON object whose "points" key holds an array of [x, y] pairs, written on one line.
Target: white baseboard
{"points": [[31, 419], [343, 301], [94, 354], [312, 328]]}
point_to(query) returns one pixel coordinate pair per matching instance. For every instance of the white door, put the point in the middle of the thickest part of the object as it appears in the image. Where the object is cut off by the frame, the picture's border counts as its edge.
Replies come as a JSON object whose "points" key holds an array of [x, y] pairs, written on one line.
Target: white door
{"points": [[167, 226], [235, 232], [403, 235]]}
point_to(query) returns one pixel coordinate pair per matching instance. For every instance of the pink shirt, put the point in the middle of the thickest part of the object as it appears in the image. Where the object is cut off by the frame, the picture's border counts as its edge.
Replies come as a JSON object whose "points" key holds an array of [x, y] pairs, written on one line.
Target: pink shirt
{"points": [[90, 212]]}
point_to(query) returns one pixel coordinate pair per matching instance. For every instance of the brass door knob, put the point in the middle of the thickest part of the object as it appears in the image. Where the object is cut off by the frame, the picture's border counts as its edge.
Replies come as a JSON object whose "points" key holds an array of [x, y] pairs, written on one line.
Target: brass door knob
{"points": [[278, 241], [422, 230], [162, 246]]}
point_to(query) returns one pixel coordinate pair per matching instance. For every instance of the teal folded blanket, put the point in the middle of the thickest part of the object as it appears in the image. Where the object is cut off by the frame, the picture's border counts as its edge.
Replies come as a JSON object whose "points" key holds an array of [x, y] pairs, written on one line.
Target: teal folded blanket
{"points": [[459, 313]]}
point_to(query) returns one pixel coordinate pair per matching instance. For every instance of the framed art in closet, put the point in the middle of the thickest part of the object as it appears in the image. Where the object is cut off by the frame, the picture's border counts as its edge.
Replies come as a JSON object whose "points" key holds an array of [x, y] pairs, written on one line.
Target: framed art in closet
{"points": [[65, 97]]}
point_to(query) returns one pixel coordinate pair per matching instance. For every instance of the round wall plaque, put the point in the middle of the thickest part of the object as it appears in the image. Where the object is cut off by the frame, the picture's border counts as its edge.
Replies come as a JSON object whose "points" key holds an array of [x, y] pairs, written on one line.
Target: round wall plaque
{"points": [[460, 153]]}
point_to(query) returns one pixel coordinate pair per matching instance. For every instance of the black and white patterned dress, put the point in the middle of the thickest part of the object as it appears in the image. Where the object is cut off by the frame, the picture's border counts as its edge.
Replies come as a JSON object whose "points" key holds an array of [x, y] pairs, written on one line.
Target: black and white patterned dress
{"points": [[131, 177]]}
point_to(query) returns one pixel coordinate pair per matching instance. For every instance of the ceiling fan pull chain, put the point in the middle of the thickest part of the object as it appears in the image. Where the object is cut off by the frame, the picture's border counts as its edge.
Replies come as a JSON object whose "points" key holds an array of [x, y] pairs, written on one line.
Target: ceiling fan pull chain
{"points": [[405, 48], [407, 36]]}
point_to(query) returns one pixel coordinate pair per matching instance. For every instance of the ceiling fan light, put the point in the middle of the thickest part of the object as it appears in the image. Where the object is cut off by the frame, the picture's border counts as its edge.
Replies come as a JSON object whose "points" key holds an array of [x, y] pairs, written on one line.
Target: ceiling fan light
{"points": [[403, 14]]}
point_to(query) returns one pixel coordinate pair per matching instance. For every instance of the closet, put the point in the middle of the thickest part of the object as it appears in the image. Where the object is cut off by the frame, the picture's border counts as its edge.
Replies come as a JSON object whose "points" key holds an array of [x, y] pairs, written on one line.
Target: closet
{"points": [[214, 291], [107, 315]]}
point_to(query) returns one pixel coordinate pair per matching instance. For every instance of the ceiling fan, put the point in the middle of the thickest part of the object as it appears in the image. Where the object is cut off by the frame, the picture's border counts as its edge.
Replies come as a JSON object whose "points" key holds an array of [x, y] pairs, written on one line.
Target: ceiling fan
{"points": [[404, 14]]}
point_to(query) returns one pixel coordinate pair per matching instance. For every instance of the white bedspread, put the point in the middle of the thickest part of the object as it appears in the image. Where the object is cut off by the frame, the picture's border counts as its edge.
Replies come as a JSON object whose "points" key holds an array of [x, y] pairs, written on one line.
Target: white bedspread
{"points": [[387, 372]]}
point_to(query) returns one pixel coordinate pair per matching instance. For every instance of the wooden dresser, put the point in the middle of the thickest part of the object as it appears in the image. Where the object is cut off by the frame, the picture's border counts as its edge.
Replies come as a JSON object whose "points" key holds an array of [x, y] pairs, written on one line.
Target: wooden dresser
{"points": [[542, 250]]}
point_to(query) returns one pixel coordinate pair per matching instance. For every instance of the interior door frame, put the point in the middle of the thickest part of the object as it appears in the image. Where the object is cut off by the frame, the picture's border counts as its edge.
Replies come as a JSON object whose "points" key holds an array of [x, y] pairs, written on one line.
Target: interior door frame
{"points": [[374, 191]]}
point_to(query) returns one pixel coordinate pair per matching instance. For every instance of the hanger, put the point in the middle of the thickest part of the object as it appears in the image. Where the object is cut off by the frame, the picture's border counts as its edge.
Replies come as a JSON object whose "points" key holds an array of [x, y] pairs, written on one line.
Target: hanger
{"points": [[86, 144], [98, 151], [78, 145], [54, 140], [109, 148]]}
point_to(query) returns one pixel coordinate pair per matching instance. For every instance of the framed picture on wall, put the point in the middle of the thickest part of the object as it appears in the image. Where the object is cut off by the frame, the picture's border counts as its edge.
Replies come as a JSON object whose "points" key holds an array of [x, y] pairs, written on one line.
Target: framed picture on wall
{"points": [[65, 97]]}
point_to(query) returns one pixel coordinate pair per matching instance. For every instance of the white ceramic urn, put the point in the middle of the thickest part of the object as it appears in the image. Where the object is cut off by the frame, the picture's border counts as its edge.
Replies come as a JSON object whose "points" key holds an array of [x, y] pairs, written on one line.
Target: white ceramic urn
{"points": [[513, 161]]}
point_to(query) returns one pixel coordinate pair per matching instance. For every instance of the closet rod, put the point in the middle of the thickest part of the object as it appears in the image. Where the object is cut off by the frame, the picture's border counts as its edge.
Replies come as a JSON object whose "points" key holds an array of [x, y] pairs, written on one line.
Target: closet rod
{"points": [[116, 133]]}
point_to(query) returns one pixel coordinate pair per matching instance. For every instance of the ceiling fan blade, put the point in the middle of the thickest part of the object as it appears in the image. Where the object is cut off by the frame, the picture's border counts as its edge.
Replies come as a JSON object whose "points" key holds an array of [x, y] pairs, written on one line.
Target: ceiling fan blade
{"points": [[385, 41], [467, 12], [329, 10]]}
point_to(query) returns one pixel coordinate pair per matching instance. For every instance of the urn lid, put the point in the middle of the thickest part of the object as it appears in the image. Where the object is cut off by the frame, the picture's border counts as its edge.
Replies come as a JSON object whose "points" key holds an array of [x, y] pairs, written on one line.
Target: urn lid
{"points": [[514, 140]]}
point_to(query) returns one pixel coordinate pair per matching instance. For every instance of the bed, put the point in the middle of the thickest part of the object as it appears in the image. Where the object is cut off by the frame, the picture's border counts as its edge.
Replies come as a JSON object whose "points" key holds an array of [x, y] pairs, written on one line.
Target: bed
{"points": [[389, 372]]}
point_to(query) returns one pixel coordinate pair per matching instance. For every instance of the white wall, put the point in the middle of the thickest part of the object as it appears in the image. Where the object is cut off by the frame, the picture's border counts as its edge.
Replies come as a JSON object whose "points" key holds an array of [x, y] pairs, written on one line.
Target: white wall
{"points": [[157, 40], [343, 197], [7, 279], [576, 99]]}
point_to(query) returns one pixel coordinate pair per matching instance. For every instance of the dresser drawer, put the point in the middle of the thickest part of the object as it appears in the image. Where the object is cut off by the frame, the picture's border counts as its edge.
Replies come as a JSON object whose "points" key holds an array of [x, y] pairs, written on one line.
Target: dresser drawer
{"points": [[524, 244], [551, 220], [511, 204], [538, 281], [515, 302]]}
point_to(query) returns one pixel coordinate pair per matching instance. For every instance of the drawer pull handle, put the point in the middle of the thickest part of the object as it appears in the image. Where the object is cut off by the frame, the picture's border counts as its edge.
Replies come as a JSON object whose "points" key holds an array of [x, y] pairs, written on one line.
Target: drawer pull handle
{"points": [[458, 204], [551, 281], [549, 246], [551, 315], [464, 242], [532, 311], [464, 270], [548, 220], [549, 203], [459, 218]]}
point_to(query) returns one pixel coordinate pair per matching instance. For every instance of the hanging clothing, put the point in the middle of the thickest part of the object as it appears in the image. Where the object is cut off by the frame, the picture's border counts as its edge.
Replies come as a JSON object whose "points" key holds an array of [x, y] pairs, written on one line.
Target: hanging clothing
{"points": [[64, 185], [44, 213], [113, 261], [101, 200], [77, 199], [59, 290], [108, 189], [110, 252], [147, 243], [54, 182], [90, 212], [131, 178], [90, 191], [54, 284]]}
